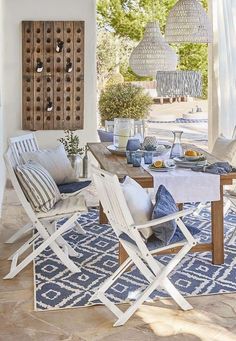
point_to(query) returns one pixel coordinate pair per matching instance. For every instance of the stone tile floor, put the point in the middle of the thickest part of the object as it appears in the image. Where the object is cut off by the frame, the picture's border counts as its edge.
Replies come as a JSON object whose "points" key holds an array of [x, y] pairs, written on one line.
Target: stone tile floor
{"points": [[213, 317]]}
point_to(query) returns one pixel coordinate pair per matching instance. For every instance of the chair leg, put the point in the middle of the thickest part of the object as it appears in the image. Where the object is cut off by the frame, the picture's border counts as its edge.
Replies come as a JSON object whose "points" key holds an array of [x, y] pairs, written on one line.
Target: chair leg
{"points": [[79, 228], [51, 227], [175, 294], [25, 246], [49, 241], [19, 233]]}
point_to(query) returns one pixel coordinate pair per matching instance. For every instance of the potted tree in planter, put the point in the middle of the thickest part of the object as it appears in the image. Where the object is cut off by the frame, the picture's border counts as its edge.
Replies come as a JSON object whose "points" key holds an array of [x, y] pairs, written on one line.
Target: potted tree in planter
{"points": [[73, 150], [124, 101]]}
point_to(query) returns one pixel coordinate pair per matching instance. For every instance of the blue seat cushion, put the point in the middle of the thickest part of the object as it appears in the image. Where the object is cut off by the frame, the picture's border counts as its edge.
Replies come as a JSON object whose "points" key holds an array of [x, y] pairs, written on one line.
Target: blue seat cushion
{"points": [[73, 186], [105, 136]]}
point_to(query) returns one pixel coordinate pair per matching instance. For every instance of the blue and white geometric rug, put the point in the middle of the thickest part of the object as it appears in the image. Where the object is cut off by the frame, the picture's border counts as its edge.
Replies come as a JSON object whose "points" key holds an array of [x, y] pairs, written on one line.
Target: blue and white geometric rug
{"points": [[56, 287]]}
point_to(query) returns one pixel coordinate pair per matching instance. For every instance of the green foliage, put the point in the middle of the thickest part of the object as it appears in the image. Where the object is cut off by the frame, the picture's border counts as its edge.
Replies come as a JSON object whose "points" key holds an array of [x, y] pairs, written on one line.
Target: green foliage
{"points": [[116, 78], [127, 20], [125, 101], [71, 143]]}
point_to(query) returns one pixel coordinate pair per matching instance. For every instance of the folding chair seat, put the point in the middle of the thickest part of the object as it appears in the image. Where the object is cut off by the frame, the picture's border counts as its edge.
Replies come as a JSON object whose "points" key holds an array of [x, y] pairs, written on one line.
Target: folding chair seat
{"points": [[46, 225], [139, 253]]}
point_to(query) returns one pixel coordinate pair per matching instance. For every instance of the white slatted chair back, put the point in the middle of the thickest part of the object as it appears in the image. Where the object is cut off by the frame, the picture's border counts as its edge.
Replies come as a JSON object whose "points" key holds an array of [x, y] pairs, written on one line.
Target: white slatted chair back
{"points": [[113, 201], [11, 164], [21, 144], [139, 127]]}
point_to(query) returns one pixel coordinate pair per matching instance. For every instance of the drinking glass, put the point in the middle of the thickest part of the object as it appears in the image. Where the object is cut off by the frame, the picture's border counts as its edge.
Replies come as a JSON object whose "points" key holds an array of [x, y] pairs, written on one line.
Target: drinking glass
{"points": [[129, 156], [137, 158], [148, 157]]}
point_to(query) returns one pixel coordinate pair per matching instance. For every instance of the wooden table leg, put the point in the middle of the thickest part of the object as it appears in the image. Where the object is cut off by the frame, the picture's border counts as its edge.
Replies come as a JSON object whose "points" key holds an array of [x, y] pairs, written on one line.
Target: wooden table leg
{"points": [[217, 223], [102, 216], [122, 254]]}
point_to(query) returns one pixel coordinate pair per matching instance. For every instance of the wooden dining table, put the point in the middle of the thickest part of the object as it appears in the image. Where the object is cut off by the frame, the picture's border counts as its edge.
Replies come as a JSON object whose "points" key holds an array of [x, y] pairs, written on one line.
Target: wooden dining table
{"points": [[117, 164]]}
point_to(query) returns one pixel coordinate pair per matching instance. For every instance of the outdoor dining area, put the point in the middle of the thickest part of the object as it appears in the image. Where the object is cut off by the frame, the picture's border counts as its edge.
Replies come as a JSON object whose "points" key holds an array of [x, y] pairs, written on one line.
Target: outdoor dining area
{"points": [[164, 226], [118, 170]]}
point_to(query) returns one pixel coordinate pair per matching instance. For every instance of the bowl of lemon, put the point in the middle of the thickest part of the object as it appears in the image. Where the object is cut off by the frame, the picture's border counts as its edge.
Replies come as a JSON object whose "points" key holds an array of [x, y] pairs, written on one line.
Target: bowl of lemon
{"points": [[193, 155]]}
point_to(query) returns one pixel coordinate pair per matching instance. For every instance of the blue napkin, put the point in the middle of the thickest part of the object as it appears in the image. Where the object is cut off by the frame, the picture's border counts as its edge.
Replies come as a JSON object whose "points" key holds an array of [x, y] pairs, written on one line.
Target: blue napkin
{"points": [[215, 168]]}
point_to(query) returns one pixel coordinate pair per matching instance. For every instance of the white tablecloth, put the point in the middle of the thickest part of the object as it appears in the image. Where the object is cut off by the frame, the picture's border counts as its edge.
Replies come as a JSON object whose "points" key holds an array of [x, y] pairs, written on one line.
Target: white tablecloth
{"points": [[186, 185]]}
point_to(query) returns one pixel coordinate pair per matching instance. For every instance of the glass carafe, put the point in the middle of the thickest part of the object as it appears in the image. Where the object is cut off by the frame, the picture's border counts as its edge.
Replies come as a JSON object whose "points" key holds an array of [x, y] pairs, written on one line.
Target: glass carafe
{"points": [[176, 150]]}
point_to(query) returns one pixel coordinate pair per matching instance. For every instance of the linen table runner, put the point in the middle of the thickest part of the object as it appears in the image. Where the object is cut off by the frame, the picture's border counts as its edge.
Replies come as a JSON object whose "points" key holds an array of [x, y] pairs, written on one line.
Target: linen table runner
{"points": [[186, 185]]}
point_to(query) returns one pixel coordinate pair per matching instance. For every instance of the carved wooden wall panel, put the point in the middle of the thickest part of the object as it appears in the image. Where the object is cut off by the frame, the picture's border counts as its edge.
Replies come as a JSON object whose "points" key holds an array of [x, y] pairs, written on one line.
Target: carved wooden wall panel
{"points": [[52, 75]]}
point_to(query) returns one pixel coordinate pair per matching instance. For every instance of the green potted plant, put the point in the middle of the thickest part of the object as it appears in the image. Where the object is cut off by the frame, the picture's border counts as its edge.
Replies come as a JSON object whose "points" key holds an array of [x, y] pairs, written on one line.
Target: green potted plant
{"points": [[124, 101], [73, 150]]}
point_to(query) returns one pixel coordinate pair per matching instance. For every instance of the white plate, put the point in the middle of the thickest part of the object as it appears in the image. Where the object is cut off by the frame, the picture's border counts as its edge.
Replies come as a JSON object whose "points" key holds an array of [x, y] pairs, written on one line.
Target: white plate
{"points": [[181, 162], [115, 150], [122, 152]]}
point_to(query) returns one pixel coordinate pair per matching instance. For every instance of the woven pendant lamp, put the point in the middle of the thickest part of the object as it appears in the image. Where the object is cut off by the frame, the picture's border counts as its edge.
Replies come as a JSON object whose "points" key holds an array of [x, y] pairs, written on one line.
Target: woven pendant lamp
{"points": [[188, 23], [152, 53], [179, 83]]}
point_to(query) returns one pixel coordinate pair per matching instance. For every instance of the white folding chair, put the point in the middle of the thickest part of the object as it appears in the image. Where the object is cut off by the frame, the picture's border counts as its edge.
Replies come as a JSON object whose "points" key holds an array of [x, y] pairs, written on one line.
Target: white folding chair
{"points": [[119, 216], [45, 225], [19, 145]]}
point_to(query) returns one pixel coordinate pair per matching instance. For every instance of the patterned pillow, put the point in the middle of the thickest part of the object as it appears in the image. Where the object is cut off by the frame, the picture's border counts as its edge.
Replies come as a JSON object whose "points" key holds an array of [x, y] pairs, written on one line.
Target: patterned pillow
{"points": [[38, 186]]}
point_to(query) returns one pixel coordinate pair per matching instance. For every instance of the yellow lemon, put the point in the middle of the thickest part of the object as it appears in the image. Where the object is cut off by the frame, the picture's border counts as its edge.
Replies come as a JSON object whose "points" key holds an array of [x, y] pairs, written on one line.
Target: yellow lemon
{"points": [[158, 164], [191, 153]]}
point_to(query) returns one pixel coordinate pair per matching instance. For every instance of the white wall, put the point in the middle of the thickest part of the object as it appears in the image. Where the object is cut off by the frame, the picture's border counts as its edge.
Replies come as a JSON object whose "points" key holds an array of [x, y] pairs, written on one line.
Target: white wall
{"points": [[15, 12]]}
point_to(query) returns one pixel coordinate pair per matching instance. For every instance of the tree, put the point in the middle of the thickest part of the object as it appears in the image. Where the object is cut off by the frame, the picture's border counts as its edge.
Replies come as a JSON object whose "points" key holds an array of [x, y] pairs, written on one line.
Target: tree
{"points": [[128, 18]]}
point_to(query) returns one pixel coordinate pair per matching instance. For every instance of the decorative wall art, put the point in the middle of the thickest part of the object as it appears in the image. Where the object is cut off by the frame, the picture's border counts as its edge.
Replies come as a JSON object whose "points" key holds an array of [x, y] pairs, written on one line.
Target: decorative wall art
{"points": [[52, 75]]}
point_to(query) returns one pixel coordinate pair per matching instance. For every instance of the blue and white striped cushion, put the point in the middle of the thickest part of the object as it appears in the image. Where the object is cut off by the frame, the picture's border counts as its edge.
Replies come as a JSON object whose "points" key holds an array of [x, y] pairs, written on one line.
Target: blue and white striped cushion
{"points": [[38, 186]]}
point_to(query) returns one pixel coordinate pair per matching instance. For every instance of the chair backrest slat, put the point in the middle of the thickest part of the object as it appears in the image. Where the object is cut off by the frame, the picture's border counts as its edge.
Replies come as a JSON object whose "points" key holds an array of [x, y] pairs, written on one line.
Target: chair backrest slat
{"points": [[139, 127], [113, 201], [11, 165], [22, 144]]}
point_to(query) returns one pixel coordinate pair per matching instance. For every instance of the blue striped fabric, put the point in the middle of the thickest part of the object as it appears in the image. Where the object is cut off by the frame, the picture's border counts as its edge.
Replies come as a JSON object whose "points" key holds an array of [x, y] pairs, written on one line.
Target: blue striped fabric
{"points": [[39, 187]]}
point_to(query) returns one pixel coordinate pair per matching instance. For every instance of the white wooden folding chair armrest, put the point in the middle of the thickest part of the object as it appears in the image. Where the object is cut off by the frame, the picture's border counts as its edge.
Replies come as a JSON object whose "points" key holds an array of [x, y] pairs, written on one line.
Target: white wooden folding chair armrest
{"points": [[164, 219]]}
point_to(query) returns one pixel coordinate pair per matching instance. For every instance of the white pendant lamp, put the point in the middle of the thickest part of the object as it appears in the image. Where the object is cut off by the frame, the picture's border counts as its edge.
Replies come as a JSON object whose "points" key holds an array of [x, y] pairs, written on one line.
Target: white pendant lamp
{"points": [[188, 23], [152, 53]]}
